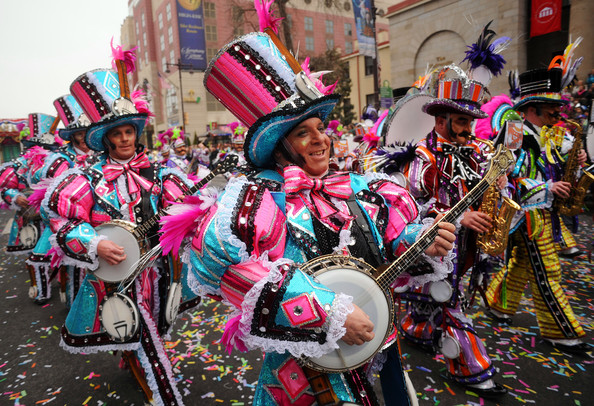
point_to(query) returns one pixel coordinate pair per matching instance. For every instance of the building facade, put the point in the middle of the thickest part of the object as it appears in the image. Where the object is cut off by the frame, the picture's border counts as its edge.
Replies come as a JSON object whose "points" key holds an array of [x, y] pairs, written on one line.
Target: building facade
{"points": [[432, 33], [152, 27]]}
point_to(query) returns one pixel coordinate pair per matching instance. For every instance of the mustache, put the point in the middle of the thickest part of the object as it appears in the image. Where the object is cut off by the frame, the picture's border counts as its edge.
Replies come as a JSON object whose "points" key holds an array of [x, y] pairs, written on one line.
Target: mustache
{"points": [[554, 114], [464, 134]]}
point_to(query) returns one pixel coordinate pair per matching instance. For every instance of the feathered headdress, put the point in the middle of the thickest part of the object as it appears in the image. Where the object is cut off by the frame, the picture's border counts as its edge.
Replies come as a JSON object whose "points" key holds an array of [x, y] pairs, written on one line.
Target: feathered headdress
{"points": [[127, 57], [483, 56], [266, 16], [316, 78], [566, 63]]}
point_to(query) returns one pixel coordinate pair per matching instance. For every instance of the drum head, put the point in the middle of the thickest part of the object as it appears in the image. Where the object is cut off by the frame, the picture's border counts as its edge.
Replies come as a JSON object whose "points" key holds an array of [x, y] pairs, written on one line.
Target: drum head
{"points": [[119, 317], [590, 141], [173, 302], [123, 238], [408, 123], [28, 236], [441, 291], [449, 346]]}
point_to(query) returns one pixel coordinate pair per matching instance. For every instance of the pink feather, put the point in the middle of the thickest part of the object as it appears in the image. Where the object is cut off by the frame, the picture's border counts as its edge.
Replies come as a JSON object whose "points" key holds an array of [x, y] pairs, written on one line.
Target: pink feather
{"points": [[129, 57], [266, 18], [142, 105], [483, 127], [180, 223], [36, 198], [56, 257], [36, 155], [231, 337]]}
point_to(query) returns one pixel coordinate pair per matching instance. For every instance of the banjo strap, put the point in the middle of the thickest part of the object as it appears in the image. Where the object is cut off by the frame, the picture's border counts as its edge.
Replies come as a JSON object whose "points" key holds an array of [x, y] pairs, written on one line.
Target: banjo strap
{"points": [[322, 389], [365, 230]]}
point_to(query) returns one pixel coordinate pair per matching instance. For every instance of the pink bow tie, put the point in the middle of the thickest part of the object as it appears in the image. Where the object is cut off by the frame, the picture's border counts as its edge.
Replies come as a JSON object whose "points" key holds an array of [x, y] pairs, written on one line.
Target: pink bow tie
{"points": [[113, 171], [337, 185]]}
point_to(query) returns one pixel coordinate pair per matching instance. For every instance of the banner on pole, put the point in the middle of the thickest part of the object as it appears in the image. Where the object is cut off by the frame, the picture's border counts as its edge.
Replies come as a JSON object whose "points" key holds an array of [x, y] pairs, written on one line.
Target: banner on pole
{"points": [[192, 43], [364, 21], [545, 17]]}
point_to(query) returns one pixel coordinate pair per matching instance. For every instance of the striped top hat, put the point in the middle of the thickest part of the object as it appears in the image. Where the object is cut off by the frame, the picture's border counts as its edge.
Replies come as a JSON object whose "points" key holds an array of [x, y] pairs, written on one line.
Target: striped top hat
{"points": [[258, 80], [71, 115], [42, 128]]}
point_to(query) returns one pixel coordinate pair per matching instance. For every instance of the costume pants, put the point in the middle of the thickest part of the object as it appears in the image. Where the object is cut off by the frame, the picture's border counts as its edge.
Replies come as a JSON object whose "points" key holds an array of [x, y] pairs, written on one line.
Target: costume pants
{"points": [[536, 262]]}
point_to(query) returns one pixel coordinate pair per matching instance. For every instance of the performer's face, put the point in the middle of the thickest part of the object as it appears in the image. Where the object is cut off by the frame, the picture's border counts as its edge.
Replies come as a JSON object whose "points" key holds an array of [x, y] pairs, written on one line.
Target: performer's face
{"points": [[549, 114], [123, 140], [181, 150], [310, 141], [78, 139], [457, 128]]}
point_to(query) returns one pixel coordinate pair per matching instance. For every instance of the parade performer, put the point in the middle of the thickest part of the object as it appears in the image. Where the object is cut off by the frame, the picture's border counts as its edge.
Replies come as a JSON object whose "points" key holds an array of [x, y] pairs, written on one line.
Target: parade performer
{"points": [[247, 245], [16, 181], [537, 178], [446, 167], [123, 185], [73, 154]]}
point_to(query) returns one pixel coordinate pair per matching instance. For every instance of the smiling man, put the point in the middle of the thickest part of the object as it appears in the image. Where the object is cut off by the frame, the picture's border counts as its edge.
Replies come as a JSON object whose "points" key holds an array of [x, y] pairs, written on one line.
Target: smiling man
{"points": [[120, 185]]}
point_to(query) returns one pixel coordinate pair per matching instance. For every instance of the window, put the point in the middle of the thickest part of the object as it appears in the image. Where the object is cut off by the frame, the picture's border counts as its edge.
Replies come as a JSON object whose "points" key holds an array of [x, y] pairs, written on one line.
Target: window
{"points": [[211, 53], [290, 21], [144, 38], [329, 27], [329, 43], [348, 30], [309, 43], [146, 57], [209, 10], [308, 23], [137, 30], [160, 18], [164, 64], [170, 34], [211, 32], [142, 19], [347, 71], [172, 56], [162, 42], [348, 47], [212, 104], [168, 11], [368, 65]]}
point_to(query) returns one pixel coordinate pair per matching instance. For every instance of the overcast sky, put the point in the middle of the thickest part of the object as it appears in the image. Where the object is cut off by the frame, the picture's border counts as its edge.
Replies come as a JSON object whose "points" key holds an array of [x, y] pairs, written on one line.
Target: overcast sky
{"points": [[46, 44]]}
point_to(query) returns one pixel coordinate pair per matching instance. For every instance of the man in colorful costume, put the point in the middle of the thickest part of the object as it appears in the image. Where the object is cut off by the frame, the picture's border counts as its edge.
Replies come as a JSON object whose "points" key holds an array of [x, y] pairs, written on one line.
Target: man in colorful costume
{"points": [[537, 179], [74, 154], [446, 167], [247, 246], [121, 184]]}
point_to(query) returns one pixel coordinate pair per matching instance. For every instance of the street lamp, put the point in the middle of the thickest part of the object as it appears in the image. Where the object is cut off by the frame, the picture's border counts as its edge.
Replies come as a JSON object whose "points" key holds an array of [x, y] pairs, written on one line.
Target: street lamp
{"points": [[180, 66]]}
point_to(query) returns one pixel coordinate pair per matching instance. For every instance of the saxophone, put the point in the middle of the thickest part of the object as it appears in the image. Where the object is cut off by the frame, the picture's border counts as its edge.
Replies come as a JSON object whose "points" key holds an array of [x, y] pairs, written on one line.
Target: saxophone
{"points": [[494, 241], [572, 205]]}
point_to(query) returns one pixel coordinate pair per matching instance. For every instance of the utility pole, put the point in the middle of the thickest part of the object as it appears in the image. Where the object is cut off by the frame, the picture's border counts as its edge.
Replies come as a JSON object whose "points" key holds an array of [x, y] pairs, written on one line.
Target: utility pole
{"points": [[180, 66], [375, 60]]}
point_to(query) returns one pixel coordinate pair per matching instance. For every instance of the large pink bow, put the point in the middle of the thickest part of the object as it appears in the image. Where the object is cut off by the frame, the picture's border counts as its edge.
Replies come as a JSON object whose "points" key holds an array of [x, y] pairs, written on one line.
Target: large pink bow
{"points": [[337, 185], [113, 171]]}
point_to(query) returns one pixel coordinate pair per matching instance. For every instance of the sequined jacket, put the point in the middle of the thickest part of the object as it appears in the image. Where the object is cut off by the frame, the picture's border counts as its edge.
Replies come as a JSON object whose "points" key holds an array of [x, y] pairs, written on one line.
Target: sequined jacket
{"points": [[247, 249]]}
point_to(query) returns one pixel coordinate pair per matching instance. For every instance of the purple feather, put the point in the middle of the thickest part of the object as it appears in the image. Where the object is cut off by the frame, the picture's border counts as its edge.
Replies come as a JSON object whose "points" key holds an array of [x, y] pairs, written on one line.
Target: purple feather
{"points": [[396, 156], [483, 52]]}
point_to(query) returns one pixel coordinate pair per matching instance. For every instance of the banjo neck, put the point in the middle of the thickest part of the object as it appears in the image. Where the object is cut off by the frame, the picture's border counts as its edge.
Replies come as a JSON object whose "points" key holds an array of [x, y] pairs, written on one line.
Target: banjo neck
{"points": [[499, 164], [143, 229]]}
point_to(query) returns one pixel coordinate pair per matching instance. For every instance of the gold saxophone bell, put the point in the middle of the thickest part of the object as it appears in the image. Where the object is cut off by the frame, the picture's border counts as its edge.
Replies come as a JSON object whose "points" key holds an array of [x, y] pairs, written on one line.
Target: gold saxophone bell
{"points": [[494, 241]]}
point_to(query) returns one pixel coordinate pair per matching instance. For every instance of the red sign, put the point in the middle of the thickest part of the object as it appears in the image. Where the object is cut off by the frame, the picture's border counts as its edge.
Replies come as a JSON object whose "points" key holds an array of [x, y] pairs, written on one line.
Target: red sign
{"points": [[546, 17]]}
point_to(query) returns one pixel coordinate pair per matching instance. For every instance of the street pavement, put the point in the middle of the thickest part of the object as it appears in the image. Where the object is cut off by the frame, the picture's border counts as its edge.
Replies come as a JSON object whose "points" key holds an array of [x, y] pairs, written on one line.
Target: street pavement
{"points": [[34, 370]]}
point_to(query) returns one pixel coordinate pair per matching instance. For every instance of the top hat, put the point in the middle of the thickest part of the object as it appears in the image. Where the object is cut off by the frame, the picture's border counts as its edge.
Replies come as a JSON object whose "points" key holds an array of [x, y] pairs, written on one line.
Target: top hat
{"points": [[262, 84], [42, 128], [540, 86], [71, 115]]}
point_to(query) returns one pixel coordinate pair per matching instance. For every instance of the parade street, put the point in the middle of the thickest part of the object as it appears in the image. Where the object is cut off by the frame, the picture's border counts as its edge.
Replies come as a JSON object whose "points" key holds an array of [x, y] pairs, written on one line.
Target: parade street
{"points": [[35, 370]]}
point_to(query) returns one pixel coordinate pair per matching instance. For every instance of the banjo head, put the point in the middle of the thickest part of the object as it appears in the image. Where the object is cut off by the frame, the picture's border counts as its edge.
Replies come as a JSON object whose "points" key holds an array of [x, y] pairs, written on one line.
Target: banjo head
{"points": [[173, 302], [353, 277], [120, 232], [119, 317]]}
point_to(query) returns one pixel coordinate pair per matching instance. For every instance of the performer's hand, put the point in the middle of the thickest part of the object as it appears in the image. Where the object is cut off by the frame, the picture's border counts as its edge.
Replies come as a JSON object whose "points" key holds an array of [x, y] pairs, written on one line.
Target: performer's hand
{"points": [[561, 189], [444, 241], [477, 221], [111, 252], [582, 157], [21, 201], [359, 328], [501, 182]]}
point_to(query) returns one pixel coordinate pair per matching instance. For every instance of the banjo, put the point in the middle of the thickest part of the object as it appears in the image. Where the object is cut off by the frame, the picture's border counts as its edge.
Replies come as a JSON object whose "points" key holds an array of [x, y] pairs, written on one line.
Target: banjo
{"points": [[133, 238], [353, 277]]}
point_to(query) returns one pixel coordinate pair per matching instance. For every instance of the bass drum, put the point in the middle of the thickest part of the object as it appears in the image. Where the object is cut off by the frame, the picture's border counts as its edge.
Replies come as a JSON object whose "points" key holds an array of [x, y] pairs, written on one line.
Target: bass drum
{"points": [[119, 317]]}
